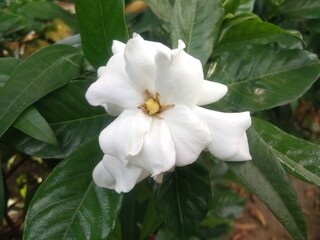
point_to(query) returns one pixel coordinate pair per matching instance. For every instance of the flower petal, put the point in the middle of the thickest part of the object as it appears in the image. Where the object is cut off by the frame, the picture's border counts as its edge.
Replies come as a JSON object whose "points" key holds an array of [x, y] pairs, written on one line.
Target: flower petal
{"points": [[118, 47], [229, 141], [113, 174], [179, 77], [114, 86], [157, 154], [124, 136], [211, 92], [139, 57], [190, 135]]}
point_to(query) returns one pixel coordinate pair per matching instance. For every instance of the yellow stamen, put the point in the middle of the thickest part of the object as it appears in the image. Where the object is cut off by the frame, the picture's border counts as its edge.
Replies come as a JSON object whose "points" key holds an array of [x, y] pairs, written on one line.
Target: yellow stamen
{"points": [[152, 106]]}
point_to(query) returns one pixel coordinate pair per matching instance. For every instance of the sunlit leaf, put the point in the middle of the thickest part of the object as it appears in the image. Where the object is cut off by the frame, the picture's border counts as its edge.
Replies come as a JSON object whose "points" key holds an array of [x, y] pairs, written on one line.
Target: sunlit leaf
{"points": [[101, 22], [299, 157], [263, 77], [34, 125], [68, 205], [182, 199], [46, 70], [265, 177]]}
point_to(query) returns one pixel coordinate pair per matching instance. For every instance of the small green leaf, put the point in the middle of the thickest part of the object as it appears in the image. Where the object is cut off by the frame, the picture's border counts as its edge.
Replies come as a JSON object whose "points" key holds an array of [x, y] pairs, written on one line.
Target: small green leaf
{"points": [[44, 71], [33, 124], [101, 22], [266, 178], [299, 157], [263, 77], [182, 199], [79, 122], [307, 9], [151, 221], [7, 65], [68, 205], [197, 23]]}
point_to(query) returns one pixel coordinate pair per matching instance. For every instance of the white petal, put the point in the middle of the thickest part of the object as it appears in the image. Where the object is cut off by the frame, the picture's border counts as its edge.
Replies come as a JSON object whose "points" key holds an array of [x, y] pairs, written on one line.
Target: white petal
{"points": [[211, 92], [113, 174], [118, 47], [179, 77], [139, 56], [124, 136], [190, 134], [157, 154], [101, 70], [229, 141], [114, 86], [113, 109]]}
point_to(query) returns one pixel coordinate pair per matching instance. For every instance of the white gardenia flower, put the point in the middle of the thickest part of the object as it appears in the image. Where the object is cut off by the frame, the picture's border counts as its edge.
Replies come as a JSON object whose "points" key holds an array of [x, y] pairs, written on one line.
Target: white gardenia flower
{"points": [[156, 93]]}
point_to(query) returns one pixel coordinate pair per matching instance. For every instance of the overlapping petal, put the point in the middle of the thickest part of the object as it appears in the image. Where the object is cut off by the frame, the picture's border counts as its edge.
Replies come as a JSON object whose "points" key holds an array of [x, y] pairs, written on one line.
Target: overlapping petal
{"points": [[190, 135], [124, 136], [140, 65], [114, 86], [158, 152], [228, 134], [112, 173], [179, 77]]}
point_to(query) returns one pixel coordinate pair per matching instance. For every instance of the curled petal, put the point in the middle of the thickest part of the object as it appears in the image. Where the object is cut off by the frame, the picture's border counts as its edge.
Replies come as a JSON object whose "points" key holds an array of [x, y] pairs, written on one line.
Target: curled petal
{"points": [[114, 86], [113, 174], [124, 136], [211, 92], [190, 135], [157, 154], [229, 141], [140, 66], [179, 77]]}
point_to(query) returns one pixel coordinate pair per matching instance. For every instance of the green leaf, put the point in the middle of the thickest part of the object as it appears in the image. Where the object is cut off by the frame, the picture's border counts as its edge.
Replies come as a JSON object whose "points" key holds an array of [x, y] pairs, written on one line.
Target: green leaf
{"points": [[231, 6], [299, 157], [255, 32], [246, 6], [32, 123], [79, 122], [101, 22], [307, 9], [45, 10], [182, 199], [9, 23], [197, 23], [7, 65], [2, 198], [68, 205], [262, 77], [162, 9], [266, 178], [44, 71]]}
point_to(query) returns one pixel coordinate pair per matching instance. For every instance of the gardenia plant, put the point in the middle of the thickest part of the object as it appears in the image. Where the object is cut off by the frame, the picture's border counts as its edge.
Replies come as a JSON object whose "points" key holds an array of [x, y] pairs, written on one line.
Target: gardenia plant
{"points": [[156, 93]]}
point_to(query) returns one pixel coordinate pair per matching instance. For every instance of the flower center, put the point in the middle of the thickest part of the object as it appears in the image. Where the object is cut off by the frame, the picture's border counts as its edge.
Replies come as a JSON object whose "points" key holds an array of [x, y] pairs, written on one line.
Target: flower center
{"points": [[152, 105]]}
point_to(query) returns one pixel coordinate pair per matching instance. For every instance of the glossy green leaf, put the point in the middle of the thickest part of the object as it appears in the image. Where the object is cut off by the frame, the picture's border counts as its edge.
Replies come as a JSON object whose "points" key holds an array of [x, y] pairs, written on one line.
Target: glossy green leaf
{"points": [[265, 177], [7, 65], [255, 32], [197, 23], [68, 205], [182, 199], [101, 22], [262, 77], [44, 71], [299, 157], [32, 123], [2, 199], [307, 9], [72, 119]]}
